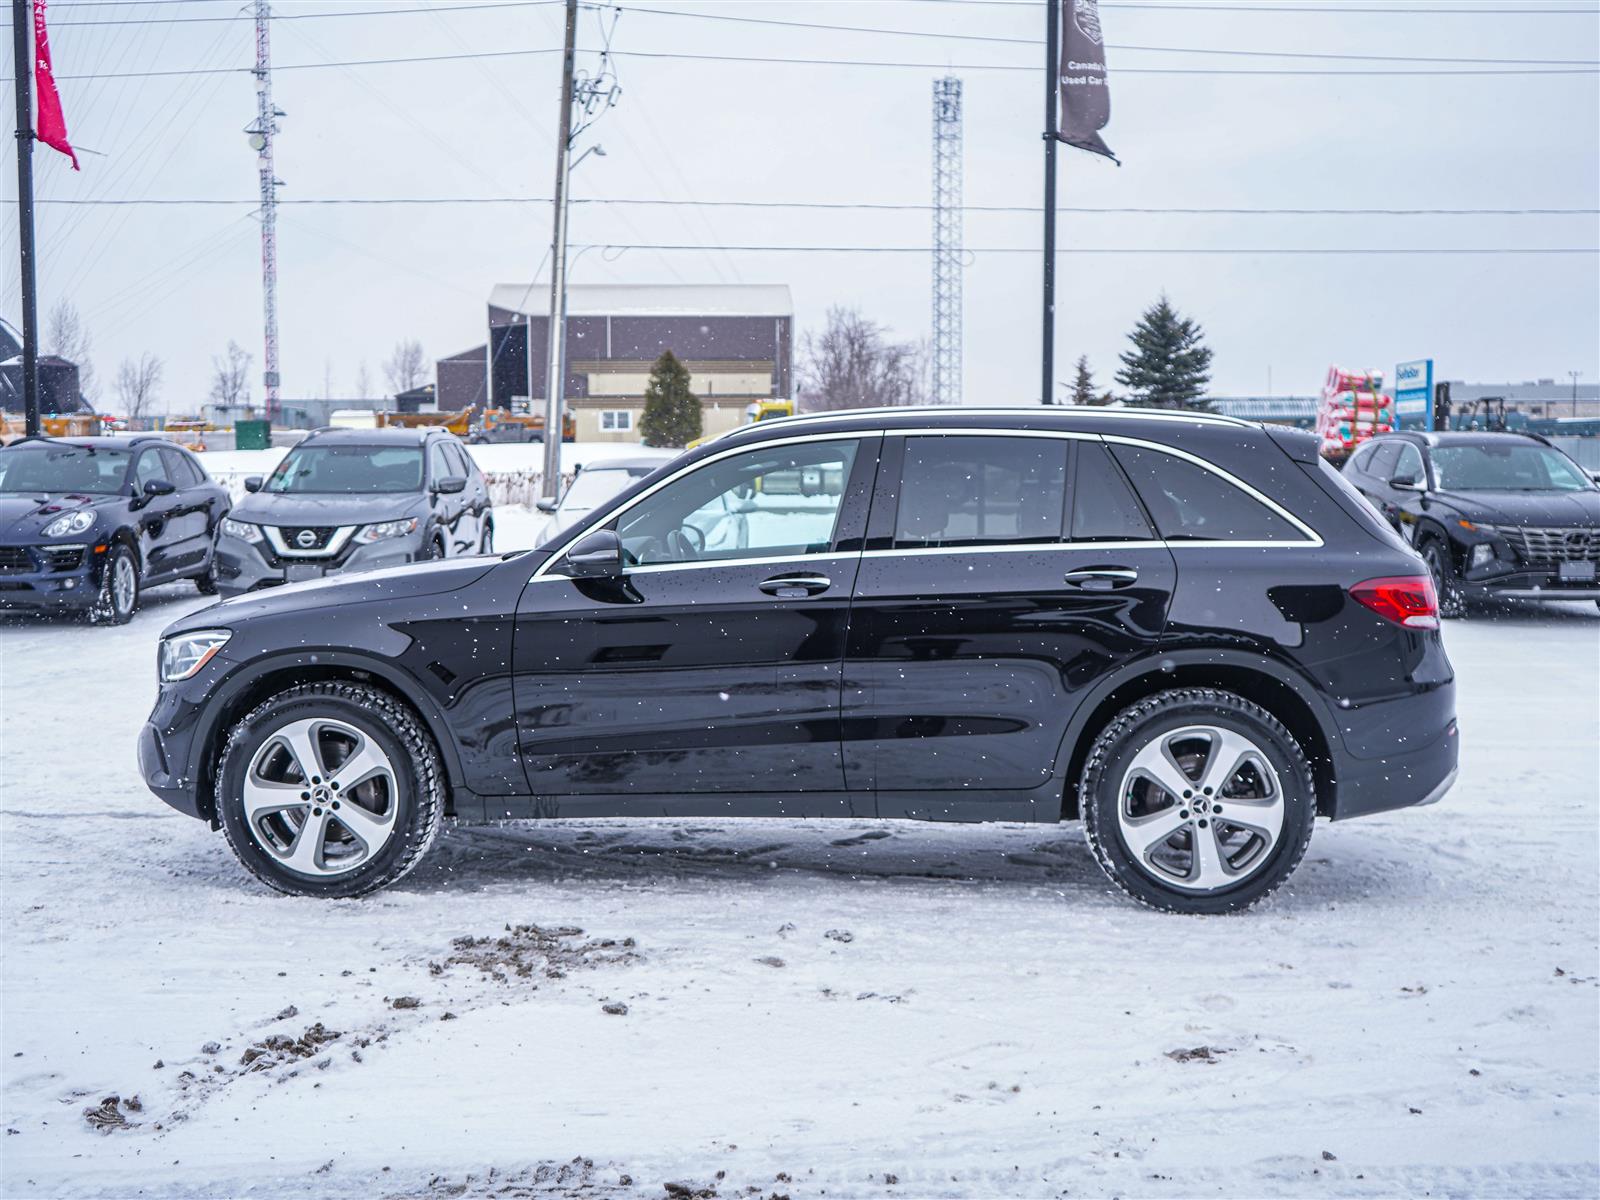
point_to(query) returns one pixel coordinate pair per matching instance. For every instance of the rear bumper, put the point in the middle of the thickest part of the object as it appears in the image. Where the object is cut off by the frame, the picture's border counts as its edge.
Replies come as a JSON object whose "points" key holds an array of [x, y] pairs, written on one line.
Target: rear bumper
{"points": [[1401, 780]]}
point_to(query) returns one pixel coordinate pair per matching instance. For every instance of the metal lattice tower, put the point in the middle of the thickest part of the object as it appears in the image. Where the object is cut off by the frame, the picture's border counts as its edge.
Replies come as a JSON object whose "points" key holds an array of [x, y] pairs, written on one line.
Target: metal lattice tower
{"points": [[947, 246], [261, 133]]}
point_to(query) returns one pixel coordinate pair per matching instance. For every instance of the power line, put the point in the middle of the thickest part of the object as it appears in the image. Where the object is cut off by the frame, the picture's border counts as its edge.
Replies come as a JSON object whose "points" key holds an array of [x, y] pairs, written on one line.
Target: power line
{"points": [[835, 205], [477, 55], [1294, 8], [311, 16], [1098, 250]]}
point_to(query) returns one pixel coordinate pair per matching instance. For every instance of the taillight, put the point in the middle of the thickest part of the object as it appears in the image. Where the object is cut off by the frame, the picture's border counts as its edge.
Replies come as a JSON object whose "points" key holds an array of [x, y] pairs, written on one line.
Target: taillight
{"points": [[1407, 600]]}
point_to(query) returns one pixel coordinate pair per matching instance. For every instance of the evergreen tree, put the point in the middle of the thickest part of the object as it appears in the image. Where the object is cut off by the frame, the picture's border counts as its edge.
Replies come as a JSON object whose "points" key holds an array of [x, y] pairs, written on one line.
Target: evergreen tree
{"points": [[1170, 364], [671, 412], [1083, 384]]}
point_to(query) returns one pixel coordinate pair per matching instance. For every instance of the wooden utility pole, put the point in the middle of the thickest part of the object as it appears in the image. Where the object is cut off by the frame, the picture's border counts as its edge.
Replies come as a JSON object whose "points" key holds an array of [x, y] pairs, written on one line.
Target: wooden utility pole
{"points": [[556, 383]]}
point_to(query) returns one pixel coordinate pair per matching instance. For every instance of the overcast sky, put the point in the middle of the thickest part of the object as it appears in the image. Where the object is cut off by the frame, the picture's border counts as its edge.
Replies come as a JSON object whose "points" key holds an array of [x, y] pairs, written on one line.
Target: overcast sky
{"points": [[181, 280]]}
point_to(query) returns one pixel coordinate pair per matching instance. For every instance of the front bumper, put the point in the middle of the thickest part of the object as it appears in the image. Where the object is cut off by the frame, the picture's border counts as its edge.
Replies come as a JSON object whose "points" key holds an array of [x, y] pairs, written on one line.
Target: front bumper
{"points": [[243, 566], [50, 577]]}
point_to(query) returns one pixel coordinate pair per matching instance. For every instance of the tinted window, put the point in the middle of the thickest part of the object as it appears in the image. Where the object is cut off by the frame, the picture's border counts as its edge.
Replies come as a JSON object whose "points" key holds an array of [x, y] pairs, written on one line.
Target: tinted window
{"points": [[460, 464], [974, 491], [438, 465], [780, 500], [1361, 461], [151, 467], [181, 471], [1381, 464], [341, 468], [1409, 463], [1514, 466], [1103, 505], [55, 467], [1190, 503]]}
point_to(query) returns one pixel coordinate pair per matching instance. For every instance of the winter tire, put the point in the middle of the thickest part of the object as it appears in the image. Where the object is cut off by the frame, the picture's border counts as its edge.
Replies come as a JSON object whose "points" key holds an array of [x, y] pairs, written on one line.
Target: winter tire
{"points": [[206, 583], [118, 597], [1197, 801], [330, 790], [1452, 599]]}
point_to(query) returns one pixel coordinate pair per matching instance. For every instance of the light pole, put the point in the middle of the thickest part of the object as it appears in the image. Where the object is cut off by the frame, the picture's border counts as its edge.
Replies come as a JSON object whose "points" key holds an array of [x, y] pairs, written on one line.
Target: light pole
{"points": [[1574, 375]]}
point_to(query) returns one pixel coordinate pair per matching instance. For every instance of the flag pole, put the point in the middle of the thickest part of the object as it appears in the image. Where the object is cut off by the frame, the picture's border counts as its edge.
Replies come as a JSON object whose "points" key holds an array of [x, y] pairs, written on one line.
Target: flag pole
{"points": [[1051, 93], [22, 57]]}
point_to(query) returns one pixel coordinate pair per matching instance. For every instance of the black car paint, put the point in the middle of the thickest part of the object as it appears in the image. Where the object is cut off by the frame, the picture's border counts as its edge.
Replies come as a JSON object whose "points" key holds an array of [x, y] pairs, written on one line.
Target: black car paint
{"points": [[1438, 513], [172, 533], [927, 691]]}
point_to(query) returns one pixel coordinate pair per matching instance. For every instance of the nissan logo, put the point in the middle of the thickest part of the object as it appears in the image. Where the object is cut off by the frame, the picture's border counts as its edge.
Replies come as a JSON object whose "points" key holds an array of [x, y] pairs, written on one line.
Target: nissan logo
{"points": [[306, 539]]}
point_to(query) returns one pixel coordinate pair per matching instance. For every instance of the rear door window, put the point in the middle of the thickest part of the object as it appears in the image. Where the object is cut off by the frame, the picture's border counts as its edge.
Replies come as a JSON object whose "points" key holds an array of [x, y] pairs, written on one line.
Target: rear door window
{"points": [[1190, 503], [1104, 508], [980, 491]]}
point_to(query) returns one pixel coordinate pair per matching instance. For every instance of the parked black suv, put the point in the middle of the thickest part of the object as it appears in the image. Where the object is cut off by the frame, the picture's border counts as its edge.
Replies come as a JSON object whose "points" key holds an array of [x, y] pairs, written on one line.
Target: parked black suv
{"points": [[347, 500], [86, 523], [1187, 630], [1494, 515]]}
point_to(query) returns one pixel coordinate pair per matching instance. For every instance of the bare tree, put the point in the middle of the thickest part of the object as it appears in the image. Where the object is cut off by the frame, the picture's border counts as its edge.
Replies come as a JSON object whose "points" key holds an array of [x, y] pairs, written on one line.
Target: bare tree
{"points": [[67, 337], [137, 383], [405, 366], [230, 377], [853, 364], [363, 381]]}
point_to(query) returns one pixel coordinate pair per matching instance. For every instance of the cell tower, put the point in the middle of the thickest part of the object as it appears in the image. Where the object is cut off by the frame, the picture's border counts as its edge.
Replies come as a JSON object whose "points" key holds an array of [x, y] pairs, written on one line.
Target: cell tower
{"points": [[260, 134], [947, 248]]}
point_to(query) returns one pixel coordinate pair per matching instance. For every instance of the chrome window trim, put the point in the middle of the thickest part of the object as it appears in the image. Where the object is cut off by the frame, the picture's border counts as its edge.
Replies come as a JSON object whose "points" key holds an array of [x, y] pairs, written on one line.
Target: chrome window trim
{"points": [[619, 509], [1312, 540], [336, 543], [1132, 414]]}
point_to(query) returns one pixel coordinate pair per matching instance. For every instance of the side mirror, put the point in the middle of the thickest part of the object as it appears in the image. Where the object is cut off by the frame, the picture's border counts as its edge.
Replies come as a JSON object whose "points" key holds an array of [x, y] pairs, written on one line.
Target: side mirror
{"points": [[449, 485], [252, 483], [547, 505], [158, 487], [1407, 483], [597, 556]]}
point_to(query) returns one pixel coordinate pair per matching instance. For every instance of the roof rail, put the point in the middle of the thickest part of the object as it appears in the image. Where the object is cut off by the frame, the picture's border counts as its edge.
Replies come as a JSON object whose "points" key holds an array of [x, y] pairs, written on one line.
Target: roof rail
{"points": [[1167, 414]]}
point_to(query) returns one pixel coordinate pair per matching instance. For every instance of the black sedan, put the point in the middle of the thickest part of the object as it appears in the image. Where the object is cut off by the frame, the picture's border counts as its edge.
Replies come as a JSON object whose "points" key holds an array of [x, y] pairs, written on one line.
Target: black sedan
{"points": [[86, 523], [1495, 515]]}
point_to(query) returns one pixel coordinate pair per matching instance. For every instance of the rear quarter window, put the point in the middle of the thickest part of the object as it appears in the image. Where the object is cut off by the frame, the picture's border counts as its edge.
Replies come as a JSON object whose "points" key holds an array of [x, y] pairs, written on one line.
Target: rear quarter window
{"points": [[1190, 503], [1353, 502]]}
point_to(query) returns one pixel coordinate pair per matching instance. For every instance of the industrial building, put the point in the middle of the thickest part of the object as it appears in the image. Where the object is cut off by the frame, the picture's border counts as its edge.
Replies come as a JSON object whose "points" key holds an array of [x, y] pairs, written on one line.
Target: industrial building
{"points": [[736, 340]]}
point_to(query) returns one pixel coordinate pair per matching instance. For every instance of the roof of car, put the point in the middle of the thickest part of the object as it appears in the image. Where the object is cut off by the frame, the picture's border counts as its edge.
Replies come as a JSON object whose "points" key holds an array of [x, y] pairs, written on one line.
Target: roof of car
{"points": [[1464, 437], [97, 443], [632, 462]]}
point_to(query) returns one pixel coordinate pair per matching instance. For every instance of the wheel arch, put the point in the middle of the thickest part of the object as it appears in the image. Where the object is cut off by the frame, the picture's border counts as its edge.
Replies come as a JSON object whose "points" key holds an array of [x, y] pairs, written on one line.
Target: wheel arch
{"points": [[270, 676], [1275, 687]]}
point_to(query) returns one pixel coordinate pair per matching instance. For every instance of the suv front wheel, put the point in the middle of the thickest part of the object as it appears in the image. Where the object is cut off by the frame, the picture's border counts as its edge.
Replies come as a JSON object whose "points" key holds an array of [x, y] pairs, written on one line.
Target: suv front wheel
{"points": [[330, 789], [1197, 801]]}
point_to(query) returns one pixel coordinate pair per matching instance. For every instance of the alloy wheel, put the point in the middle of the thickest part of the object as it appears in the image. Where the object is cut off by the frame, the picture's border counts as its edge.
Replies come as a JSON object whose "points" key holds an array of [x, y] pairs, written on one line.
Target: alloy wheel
{"points": [[1201, 808], [124, 583], [320, 796]]}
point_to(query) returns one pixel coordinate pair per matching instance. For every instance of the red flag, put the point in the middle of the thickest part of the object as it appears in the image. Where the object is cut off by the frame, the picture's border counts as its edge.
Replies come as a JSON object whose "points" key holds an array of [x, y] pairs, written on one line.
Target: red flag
{"points": [[52, 129]]}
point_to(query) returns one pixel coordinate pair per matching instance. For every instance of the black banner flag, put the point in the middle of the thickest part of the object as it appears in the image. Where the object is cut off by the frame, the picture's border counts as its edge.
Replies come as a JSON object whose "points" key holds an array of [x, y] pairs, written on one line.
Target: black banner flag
{"points": [[1085, 94]]}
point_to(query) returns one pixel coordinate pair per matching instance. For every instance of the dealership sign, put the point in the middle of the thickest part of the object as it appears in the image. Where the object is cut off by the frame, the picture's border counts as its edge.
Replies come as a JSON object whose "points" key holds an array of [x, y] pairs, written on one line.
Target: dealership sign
{"points": [[1413, 394]]}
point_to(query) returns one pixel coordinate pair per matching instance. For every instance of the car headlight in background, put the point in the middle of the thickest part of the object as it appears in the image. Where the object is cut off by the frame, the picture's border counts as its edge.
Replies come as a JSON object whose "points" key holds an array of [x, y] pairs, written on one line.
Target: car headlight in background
{"points": [[70, 523], [241, 530], [1482, 553], [387, 529], [184, 654]]}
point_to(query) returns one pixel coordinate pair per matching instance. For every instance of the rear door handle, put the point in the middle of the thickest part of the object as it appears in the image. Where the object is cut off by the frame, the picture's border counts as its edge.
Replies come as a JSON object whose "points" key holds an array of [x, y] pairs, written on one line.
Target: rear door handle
{"points": [[794, 587], [1102, 579]]}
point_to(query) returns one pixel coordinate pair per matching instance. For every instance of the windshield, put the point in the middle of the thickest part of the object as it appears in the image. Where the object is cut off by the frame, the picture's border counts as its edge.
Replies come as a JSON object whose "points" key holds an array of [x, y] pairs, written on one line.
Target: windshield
{"points": [[58, 468], [348, 469], [1525, 467], [594, 487]]}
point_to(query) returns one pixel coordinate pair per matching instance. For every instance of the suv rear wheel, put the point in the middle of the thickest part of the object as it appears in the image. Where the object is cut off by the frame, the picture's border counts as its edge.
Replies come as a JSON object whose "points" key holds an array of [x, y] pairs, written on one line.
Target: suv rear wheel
{"points": [[330, 789], [1197, 801]]}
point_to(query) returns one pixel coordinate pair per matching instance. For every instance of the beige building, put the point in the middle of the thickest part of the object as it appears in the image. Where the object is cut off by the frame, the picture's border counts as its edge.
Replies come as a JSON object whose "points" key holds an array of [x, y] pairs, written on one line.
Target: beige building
{"points": [[736, 340]]}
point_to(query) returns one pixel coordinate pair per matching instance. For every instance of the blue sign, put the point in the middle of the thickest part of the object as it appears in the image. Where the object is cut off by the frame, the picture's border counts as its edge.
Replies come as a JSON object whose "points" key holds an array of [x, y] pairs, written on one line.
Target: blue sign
{"points": [[1413, 395]]}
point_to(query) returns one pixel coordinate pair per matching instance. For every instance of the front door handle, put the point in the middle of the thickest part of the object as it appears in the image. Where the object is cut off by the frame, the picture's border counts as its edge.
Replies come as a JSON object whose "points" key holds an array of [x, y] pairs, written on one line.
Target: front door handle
{"points": [[1102, 579], [794, 587]]}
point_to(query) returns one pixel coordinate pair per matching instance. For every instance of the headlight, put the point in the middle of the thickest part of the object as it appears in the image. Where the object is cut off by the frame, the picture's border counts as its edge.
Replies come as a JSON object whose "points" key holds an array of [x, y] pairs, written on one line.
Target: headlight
{"points": [[70, 523], [387, 529], [1482, 553], [181, 656], [240, 530]]}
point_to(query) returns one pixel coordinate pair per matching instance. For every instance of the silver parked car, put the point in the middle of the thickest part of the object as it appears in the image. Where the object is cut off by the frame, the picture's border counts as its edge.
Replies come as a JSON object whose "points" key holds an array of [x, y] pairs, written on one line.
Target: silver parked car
{"points": [[596, 483], [352, 500]]}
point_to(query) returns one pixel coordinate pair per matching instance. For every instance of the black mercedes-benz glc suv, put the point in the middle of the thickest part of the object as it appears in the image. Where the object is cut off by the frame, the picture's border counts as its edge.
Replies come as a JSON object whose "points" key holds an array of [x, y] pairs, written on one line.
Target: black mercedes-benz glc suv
{"points": [[1187, 631]]}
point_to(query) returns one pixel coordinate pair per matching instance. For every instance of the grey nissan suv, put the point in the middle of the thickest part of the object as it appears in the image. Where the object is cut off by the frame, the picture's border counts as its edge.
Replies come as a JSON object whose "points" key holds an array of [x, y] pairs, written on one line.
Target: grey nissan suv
{"points": [[352, 500]]}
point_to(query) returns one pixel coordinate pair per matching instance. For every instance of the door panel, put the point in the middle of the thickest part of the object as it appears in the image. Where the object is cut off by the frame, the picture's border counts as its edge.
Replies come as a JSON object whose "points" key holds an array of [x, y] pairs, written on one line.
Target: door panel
{"points": [[160, 523], [1004, 575], [712, 662]]}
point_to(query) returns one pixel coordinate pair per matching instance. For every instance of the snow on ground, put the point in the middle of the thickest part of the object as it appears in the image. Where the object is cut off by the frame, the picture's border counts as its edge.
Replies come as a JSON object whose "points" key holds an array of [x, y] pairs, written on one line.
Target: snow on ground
{"points": [[812, 1008]]}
